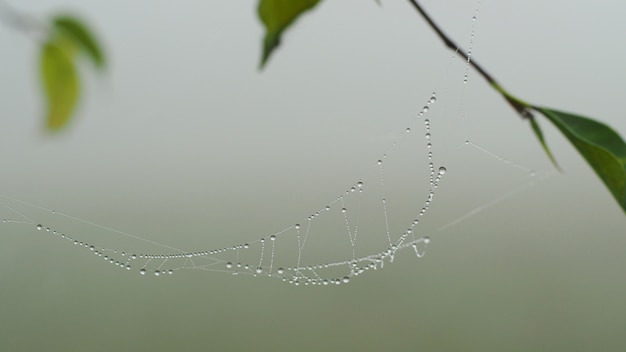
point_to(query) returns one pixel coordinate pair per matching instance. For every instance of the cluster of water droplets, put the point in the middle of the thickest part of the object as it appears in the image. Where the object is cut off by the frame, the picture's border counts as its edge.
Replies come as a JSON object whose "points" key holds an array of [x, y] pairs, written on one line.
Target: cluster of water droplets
{"points": [[471, 44]]}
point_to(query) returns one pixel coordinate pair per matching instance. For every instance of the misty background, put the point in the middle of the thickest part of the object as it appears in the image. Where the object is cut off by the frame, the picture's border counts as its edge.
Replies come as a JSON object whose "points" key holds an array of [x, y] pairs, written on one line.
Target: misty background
{"points": [[185, 142]]}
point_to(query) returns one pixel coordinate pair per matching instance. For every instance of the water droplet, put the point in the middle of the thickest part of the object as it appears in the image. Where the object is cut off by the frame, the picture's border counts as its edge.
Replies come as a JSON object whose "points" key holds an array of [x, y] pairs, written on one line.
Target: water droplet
{"points": [[427, 135], [408, 130], [343, 210], [473, 18], [467, 142], [142, 271], [327, 207], [170, 271], [426, 240], [273, 237], [229, 265], [442, 170], [157, 273], [246, 246], [39, 227], [297, 226], [259, 270], [345, 279], [425, 109], [280, 270], [429, 145], [379, 162], [433, 100]]}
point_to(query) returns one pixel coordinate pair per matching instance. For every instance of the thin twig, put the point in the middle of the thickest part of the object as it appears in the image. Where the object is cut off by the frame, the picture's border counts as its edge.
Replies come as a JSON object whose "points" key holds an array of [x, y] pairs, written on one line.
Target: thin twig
{"points": [[21, 22], [517, 105]]}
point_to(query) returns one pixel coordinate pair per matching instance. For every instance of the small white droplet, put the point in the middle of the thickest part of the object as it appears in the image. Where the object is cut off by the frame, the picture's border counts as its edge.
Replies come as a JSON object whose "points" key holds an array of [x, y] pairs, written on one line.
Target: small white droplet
{"points": [[327, 207], [474, 18], [442, 170], [433, 100], [297, 226], [426, 240], [343, 210], [345, 279], [259, 270], [229, 265], [359, 184], [280, 270], [142, 271], [157, 273], [39, 227], [379, 162], [408, 130]]}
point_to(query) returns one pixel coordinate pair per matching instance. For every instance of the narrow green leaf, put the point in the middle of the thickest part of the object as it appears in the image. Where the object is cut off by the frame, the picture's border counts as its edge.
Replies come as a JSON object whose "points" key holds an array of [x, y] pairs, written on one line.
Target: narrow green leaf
{"points": [[79, 32], [60, 82], [599, 144], [539, 134], [277, 16]]}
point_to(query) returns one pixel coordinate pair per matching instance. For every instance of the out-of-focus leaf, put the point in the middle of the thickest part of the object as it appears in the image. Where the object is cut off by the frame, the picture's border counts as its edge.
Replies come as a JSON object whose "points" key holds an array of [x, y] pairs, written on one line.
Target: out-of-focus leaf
{"points": [[60, 82], [539, 134], [599, 144], [277, 16], [79, 32]]}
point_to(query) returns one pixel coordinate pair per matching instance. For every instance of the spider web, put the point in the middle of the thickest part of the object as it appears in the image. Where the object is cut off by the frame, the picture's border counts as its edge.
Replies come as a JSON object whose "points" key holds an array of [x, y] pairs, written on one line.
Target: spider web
{"points": [[394, 190]]}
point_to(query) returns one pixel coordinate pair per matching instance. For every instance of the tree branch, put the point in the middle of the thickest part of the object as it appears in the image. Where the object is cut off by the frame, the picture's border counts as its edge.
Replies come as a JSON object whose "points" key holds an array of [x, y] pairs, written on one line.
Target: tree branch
{"points": [[521, 107], [21, 22]]}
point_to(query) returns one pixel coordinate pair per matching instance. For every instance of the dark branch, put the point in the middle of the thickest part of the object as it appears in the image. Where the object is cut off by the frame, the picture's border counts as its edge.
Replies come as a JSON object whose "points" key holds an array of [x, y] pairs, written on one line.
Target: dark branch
{"points": [[519, 107]]}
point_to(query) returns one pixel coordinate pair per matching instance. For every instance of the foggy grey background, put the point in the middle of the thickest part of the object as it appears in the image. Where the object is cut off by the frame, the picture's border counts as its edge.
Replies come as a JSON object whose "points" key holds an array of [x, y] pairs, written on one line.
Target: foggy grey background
{"points": [[185, 142]]}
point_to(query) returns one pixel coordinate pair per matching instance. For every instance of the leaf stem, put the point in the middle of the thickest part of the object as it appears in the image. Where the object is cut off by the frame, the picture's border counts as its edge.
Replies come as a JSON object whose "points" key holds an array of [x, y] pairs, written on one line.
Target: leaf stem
{"points": [[518, 105]]}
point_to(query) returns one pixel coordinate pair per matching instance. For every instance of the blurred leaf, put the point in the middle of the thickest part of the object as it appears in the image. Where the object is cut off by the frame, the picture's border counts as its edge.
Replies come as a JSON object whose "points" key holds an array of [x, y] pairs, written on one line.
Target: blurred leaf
{"points": [[276, 16], [599, 144], [81, 35], [60, 82], [539, 134]]}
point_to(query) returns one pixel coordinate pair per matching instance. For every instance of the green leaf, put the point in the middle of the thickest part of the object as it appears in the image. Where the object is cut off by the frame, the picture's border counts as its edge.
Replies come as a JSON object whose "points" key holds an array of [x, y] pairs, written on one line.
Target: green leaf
{"points": [[60, 82], [78, 32], [277, 16], [539, 134], [599, 144]]}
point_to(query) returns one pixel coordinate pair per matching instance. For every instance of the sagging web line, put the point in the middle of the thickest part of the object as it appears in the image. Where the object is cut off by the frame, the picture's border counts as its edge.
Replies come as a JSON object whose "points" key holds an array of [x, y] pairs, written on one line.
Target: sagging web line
{"points": [[238, 259]]}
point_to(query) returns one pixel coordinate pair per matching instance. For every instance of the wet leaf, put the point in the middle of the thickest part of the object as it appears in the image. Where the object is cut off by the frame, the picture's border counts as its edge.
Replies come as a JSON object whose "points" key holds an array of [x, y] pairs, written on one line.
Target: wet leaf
{"points": [[277, 16], [80, 33], [539, 134], [599, 144], [60, 82]]}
